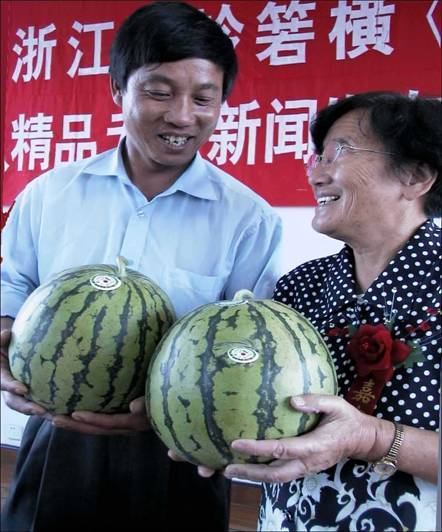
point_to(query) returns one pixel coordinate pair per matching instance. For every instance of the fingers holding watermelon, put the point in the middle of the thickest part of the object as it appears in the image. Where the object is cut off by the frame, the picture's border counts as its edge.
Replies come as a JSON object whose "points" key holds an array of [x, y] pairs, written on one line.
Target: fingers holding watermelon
{"points": [[175, 457], [106, 424], [343, 431], [203, 471]]}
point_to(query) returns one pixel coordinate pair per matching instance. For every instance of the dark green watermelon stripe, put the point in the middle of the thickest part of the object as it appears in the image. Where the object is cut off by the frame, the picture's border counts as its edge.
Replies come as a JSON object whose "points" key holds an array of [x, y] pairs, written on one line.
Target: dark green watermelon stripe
{"points": [[139, 363], [306, 378], [119, 361], [159, 296], [80, 377], [281, 317], [166, 370], [145, 326], [66, 333], [38, 336], [308, 330], [161, 317], [206, 381], [267, 402]]}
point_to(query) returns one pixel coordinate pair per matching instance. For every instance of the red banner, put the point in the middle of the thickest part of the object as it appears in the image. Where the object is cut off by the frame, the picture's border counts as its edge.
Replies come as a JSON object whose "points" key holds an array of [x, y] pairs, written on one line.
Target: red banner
{"points": [[295, 57]]}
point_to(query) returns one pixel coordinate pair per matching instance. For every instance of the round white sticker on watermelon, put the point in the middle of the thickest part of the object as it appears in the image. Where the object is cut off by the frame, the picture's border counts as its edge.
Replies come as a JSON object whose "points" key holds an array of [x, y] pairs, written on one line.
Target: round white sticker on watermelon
{"points": [[105, 282], [243, 355]]}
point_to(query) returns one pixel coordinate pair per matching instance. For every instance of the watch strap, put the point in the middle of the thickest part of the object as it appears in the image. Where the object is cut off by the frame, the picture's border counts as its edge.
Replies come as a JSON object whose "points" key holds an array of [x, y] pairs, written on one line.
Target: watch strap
{"points": [[391, 457], [397, 442]]}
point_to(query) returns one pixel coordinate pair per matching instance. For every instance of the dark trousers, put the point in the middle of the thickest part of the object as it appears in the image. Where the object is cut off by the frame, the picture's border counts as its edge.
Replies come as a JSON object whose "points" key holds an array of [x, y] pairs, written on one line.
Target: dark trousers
{"points": [[68, 481]]}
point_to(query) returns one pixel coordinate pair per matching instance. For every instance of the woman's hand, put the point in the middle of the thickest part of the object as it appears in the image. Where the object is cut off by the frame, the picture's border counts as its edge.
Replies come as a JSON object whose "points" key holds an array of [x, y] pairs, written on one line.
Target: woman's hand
{"points": [[342, 432], [106, 424]]}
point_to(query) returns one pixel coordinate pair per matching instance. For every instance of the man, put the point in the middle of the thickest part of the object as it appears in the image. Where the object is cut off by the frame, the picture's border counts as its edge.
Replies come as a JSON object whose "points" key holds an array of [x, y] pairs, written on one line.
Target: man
{"points": [[197, 232]]}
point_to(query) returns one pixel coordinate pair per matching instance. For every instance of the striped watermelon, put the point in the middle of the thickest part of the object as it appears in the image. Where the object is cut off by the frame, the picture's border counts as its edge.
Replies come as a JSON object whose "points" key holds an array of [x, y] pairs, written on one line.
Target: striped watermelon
{"points": [[227, 371], [83, 339]]}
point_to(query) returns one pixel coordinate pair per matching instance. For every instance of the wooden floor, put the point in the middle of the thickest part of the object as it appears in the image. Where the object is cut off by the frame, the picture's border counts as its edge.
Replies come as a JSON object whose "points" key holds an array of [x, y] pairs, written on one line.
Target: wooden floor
{"points": [[244, 497]]}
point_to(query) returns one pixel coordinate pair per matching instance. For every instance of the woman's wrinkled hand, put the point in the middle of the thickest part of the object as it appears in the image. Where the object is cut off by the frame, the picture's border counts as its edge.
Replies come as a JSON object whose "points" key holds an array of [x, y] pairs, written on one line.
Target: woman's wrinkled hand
{"points": [[106, 424], [343, 431]]}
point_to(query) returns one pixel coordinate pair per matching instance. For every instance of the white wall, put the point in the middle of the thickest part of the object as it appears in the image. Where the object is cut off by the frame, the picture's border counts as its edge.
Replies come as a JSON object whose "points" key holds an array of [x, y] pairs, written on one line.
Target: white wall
{"points": [[300, 243], [12, 425]]}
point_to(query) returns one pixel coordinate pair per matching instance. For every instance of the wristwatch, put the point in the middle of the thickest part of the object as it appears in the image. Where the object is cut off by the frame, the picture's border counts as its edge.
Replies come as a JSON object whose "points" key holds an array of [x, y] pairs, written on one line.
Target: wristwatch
{"points": [[387, 465]]}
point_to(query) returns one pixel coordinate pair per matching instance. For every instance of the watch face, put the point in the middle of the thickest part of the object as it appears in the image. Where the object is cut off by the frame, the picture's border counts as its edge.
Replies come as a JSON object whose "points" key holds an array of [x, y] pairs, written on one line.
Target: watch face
{"points": [[384, 468]]}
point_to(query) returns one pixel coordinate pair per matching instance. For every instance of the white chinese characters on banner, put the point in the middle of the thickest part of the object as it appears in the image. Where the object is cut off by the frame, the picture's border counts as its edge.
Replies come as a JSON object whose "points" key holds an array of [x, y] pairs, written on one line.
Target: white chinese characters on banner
{"points": [[34, 53], [97, 67], [230, 135], [286, 38], [368, 22], [33, 138], [120, 130], [292, 129], [67, 152], [227, 21], [285, 29], [234, 138]]}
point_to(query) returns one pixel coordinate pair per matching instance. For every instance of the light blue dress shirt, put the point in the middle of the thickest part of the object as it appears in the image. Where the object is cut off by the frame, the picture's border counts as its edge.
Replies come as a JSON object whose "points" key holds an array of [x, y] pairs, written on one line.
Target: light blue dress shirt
{"points": [[201, 240]]}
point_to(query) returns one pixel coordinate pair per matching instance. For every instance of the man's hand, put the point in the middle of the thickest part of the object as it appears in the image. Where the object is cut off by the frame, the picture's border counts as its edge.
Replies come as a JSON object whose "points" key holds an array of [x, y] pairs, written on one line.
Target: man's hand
{"points": [[107, 424], [14, 391], [203, 471], [342, 432]]}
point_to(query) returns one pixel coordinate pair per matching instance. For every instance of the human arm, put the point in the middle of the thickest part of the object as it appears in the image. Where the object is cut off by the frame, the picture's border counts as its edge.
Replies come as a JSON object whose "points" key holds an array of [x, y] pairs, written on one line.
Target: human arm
{"points": [[19, 278], [343, 432], [20, 244]]}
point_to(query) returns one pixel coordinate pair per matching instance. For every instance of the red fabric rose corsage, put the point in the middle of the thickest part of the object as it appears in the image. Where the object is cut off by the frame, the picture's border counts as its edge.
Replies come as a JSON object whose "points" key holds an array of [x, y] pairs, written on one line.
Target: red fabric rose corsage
{"points": [[374, 351], [376, 355]]}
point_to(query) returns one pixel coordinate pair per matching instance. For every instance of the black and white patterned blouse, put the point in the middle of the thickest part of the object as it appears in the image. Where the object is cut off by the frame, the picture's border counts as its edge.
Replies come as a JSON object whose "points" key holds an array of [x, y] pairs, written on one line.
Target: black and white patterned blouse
{"points": [[348, 496]]}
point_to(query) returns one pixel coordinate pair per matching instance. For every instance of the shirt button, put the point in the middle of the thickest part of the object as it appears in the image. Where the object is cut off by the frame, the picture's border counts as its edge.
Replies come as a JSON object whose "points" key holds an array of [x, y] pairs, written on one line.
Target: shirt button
{"points": [[140, 213]]}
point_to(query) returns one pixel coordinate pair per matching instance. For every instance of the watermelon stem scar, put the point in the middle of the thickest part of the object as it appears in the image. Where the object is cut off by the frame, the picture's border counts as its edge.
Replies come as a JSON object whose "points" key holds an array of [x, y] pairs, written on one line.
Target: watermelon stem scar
{"points": [[243, 295], [121, 265]]}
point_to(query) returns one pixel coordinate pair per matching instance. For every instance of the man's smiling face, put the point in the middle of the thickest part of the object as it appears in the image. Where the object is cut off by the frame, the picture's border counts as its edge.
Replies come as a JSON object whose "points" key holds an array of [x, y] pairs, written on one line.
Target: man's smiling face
{"points": [[169, 110]]}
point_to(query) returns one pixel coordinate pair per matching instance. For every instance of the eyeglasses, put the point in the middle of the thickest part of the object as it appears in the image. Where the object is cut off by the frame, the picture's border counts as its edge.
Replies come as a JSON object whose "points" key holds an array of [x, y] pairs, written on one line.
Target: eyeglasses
{"points": [[331, 154]]}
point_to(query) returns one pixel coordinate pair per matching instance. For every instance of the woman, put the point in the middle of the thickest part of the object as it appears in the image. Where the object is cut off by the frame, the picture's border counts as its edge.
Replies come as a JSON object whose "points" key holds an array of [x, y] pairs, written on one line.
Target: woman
{"points": [[371, 463]]}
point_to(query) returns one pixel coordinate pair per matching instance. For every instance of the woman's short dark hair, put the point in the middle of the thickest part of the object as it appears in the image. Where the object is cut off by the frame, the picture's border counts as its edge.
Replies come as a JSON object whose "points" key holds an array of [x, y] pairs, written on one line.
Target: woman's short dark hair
{"points": [[408, 127], [163, 32]]}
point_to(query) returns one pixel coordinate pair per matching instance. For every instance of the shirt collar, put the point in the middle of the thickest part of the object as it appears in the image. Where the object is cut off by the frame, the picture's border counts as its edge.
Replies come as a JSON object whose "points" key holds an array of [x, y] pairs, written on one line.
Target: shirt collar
{"points": [[341, 286], [109, 163], [195, 180]]}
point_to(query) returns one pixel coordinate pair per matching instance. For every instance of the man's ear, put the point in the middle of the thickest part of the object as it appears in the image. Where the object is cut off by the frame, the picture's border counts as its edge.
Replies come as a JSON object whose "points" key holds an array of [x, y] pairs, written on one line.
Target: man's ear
{"points": [[116, 92], [418, 180]]}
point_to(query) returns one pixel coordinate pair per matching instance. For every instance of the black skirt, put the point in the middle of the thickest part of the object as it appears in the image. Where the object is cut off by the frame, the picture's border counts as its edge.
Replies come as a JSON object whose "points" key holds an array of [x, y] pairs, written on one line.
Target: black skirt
{"points": [[69, 481]]}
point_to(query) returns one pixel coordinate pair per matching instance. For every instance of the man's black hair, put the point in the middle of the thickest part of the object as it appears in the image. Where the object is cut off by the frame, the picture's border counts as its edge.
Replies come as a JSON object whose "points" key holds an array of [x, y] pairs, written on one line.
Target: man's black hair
{"points": [[163, 32]]}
